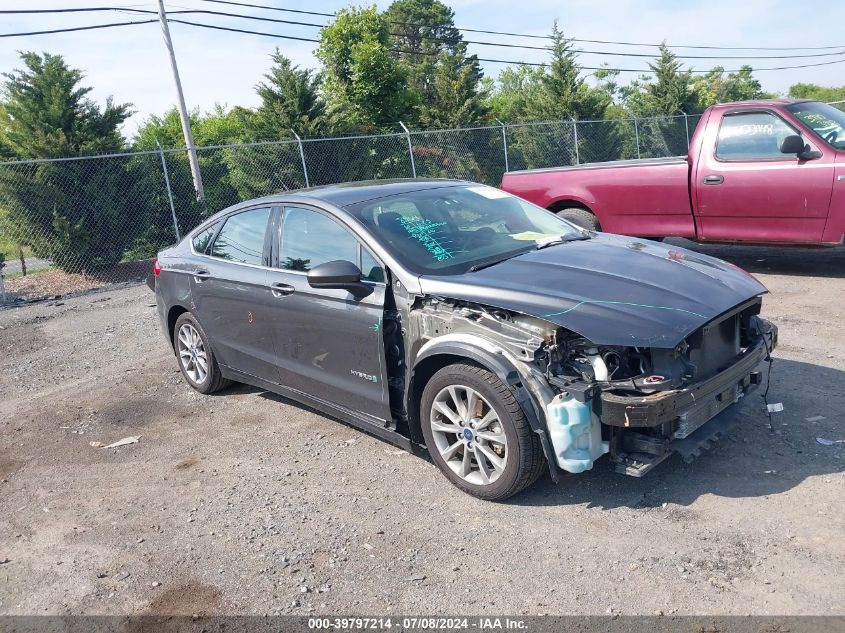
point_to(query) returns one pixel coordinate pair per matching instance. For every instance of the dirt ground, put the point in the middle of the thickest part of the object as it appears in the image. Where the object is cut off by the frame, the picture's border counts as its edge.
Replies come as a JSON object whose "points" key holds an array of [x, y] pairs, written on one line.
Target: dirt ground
{"points": [[246, 503]]}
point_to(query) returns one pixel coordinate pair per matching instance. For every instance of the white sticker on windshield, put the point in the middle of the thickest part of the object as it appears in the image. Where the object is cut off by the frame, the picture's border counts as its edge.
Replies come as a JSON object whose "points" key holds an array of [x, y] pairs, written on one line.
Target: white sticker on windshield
{"points": [[489, 192]]}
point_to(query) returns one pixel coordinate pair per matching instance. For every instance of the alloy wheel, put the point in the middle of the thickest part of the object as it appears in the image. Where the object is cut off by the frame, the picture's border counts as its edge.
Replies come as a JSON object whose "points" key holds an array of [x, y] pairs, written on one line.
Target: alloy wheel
{"points": [[192, 353], [468, 434]]}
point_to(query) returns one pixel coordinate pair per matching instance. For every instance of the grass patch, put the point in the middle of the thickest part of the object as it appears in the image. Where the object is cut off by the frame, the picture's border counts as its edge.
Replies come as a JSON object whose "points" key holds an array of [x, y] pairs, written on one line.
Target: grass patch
{"points": [[11, 250]]}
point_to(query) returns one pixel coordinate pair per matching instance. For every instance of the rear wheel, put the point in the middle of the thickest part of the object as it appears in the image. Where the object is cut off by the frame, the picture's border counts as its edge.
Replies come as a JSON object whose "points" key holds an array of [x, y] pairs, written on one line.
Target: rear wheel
{"points": [[196, 359], [580, 217], [477, 434]]}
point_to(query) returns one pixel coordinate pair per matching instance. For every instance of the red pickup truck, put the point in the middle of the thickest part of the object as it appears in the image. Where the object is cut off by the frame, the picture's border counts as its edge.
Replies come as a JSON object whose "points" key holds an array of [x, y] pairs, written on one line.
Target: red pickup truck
{"points": [[765, 172]]}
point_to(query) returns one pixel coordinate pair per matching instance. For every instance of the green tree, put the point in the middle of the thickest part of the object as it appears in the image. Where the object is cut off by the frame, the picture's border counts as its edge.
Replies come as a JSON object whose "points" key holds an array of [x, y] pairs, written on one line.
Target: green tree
{"points": [[717, 87], [564, 95], [81, 214], [290, 99], [365, 87], [509, 96], [669, 91], [443, 77], [816, 92], [660, 101], [216, 127]]}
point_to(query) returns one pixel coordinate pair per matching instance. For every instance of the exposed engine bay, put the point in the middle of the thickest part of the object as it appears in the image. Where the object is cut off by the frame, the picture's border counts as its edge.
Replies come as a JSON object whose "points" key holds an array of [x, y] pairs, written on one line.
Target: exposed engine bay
{"points": [[638, 404]]}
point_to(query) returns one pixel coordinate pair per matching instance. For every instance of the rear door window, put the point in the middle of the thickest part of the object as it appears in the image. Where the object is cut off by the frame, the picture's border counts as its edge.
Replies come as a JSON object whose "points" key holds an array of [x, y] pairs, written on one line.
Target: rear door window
{"points": [[242, 237]]}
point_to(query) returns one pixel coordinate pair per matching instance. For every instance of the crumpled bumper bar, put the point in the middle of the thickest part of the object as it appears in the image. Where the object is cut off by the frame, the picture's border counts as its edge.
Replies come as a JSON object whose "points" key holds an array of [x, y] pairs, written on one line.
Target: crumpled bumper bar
{"points": [[700, 401]]}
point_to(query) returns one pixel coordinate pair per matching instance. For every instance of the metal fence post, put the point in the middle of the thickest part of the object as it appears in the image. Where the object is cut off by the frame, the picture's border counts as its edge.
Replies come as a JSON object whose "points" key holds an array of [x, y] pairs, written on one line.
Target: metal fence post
{"points": [[504, 143], [410, 149], [686, 124], [301, 157], [169, 192], [637, 137], [575, 132]]}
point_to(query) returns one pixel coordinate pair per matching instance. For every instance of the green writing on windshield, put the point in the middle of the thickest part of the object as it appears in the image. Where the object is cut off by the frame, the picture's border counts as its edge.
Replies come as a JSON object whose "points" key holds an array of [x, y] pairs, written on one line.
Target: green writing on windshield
{"points": [[425, 232]]}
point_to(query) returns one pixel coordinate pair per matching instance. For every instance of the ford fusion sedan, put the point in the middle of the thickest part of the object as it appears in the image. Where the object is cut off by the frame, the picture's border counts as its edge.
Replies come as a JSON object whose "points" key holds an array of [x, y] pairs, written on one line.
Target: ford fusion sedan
{"points": [[455, 319]]}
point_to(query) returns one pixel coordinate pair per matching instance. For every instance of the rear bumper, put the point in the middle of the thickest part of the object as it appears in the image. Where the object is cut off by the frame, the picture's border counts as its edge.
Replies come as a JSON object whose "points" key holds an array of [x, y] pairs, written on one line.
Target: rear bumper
{"points": [[692, 406]]}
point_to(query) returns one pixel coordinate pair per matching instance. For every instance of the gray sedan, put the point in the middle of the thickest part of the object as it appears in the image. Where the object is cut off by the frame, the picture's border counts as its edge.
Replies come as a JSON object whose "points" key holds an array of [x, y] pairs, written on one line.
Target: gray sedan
{"points": [[455, 320]]}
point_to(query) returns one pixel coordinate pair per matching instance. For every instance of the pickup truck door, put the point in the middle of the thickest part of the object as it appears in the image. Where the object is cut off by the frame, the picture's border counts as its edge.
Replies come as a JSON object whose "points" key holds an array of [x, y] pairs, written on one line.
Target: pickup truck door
{"points": [[745, 189]]}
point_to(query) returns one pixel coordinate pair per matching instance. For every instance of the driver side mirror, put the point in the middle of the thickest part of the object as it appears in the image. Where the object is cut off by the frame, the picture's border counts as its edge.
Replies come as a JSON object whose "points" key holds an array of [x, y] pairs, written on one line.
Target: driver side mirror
{"points": [[337, 274], [792, 144]]}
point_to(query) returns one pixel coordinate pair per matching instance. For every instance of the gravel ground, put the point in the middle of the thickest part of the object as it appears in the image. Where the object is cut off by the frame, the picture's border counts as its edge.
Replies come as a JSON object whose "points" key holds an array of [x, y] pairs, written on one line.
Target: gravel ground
{"points": [[246, 503]]}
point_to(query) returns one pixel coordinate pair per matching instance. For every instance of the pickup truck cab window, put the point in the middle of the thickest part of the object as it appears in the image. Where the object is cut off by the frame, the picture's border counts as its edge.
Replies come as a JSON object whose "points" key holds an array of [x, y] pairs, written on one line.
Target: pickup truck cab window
{"points": [[752, 136], [242, 237]]}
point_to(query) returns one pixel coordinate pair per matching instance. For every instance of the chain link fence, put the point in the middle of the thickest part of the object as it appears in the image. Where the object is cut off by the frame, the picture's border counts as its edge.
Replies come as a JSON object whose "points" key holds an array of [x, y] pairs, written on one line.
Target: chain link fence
{"points": [[75, 224]]}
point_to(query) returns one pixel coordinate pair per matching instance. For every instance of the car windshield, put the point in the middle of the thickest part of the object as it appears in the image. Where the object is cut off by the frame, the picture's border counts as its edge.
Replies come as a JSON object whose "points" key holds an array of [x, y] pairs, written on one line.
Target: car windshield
{"points": [[825, 120], [453, 229]]}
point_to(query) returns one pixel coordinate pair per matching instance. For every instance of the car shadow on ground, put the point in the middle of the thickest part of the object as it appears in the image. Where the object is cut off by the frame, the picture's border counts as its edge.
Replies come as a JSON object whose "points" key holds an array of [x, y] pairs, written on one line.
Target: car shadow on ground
{"points": [[754, 459], [775, 260]]}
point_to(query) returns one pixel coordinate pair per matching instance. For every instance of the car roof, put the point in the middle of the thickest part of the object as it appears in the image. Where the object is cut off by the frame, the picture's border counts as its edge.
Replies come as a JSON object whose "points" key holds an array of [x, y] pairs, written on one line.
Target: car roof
{"points": [[348, 193]]}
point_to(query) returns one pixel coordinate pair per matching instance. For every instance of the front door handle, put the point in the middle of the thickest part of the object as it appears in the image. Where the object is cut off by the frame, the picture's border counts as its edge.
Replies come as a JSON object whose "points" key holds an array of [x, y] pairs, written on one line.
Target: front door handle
{"points": [[281, 290], [714, 180]]}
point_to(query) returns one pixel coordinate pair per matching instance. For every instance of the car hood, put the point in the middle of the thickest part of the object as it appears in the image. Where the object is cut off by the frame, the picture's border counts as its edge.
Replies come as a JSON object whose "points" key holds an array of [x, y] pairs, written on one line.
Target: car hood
{"points": [[610, 289]]}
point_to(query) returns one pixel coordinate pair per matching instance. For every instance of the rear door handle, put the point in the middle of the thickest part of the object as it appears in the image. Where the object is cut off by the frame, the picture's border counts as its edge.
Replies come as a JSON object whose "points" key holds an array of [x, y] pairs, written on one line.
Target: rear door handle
{"points": [[201, 275], [714, 180], [281, 290]]}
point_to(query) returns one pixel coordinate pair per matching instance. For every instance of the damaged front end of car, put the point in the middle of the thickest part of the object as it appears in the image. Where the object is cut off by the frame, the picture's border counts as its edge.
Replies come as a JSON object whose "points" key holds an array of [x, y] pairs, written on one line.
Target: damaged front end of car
{"points": [[585, 399]]}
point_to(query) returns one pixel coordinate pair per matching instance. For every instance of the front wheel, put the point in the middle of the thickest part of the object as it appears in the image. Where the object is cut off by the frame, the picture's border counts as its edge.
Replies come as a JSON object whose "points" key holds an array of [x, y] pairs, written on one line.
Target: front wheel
{"points": [[477, 434]]}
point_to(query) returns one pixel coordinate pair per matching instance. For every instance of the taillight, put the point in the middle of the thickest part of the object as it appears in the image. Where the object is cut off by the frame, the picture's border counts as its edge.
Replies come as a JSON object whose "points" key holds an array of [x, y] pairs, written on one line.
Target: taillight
{"points": [[156, 267]]}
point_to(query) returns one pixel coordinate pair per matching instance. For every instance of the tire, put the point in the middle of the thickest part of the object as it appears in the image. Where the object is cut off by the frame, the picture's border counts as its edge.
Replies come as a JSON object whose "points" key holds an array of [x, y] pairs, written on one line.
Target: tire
{"points": [[580, 217], [189, 350], [520, 456]]}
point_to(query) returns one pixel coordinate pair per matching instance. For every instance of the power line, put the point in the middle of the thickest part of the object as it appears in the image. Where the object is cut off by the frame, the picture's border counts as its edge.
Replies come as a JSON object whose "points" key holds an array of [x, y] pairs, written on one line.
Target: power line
{"points": [[234, 30], [420, 36], [545, 37], [76, 28], [306, 39], [482, 59]]}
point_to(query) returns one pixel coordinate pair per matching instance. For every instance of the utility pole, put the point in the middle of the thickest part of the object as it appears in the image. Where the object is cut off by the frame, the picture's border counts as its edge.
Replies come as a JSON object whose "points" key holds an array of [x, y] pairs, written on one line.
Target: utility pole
{"points": [[183, 111]]}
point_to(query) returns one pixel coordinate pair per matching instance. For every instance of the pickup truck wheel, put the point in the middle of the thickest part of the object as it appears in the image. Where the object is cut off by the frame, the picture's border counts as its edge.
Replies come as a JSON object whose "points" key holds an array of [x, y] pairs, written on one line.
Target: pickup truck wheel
{"points": [[477, 434], [580, 217], [196, 359]]}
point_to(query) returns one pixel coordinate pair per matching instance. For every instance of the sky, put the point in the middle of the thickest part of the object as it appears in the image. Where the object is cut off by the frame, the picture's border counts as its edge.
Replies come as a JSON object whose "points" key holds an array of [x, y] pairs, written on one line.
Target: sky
{"points": [[131, 64]]}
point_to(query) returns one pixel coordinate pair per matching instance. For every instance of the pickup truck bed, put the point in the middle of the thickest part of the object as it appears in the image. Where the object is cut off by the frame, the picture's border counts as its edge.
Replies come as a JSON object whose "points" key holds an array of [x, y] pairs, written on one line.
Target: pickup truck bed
{"points": [[647, 197], [759, 172]]}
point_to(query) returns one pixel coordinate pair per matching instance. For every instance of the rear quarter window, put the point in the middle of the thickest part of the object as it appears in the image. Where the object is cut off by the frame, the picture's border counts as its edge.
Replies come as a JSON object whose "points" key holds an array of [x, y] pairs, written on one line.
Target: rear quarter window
{"points": [[202, 240]]}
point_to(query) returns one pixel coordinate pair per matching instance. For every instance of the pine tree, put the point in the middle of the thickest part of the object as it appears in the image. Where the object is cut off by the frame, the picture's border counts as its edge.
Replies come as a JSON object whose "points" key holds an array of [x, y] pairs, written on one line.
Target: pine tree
{"points": [[47, 114], [83, 215], [290, 99], [670, 91], [445, 79]]}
